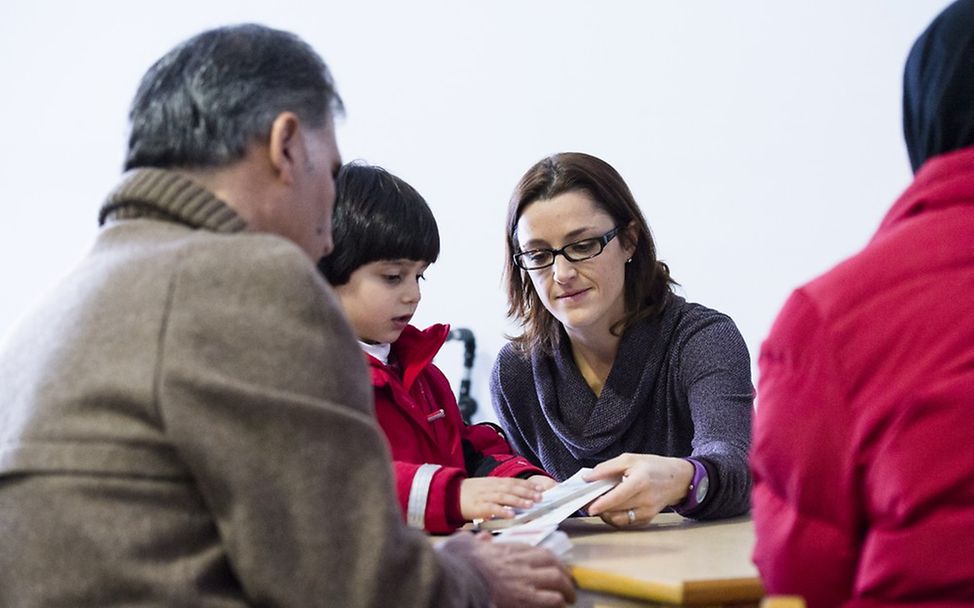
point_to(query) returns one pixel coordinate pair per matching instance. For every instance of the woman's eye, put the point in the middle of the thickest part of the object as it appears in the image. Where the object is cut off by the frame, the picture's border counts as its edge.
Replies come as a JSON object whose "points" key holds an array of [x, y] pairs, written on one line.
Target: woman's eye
{"points": [[583, 247], [391, 278], [420, 276]]}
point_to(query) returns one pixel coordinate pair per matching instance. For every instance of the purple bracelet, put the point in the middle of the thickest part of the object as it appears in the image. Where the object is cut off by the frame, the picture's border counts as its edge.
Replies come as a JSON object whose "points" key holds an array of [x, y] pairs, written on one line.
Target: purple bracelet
{"points": [[697, 492]]}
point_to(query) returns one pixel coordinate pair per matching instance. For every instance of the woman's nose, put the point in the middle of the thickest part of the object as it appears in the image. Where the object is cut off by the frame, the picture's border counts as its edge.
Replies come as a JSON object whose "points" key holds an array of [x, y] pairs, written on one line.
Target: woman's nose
{"points": [[562, 269]]}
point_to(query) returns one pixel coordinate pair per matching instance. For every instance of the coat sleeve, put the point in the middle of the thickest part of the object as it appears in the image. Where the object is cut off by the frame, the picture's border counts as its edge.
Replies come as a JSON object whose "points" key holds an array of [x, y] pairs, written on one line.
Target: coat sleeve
{"points": [[429, 495], [263, 401], [716, 374], [805, 510], [487, 454]]}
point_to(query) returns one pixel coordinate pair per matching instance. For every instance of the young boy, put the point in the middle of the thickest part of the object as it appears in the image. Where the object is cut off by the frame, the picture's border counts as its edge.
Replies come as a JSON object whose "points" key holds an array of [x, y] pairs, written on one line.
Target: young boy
{"points": [[447, 472]]}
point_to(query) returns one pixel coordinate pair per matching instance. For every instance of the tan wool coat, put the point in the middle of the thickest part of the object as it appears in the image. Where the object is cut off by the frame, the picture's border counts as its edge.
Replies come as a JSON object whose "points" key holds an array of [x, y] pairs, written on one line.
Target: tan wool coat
{"points": [[187, 421]]}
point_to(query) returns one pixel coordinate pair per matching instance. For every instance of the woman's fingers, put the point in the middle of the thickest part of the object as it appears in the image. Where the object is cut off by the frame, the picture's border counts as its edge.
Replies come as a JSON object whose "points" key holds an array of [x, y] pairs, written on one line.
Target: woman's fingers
{"points": [[628, 518], [614, 467], [623, 494]]}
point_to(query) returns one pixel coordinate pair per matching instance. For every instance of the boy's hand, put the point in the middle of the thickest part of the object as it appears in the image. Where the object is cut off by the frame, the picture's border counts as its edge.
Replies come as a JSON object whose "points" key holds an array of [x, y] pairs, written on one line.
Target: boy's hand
{"points": [[496, 497], [543, 481]]}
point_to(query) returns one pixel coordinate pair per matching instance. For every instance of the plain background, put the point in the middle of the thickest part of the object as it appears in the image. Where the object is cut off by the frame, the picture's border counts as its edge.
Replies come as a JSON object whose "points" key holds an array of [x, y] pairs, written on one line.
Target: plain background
{"points": [[761, 138]]}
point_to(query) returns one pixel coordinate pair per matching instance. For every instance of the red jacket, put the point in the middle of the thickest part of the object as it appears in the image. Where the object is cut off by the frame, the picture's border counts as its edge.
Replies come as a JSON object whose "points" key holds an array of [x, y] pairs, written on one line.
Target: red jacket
{"points": [[423, 425], [862, 457]]}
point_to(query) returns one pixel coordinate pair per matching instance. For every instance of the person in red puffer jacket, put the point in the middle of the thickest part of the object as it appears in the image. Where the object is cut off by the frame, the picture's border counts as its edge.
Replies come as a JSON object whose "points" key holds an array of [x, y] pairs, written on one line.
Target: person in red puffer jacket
{"points": [[862, 460], [447, 472]]}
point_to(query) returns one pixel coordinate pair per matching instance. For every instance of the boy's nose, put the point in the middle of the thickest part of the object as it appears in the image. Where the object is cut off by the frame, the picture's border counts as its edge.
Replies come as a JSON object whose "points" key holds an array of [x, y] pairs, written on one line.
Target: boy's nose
{"points": [[413, 294]]}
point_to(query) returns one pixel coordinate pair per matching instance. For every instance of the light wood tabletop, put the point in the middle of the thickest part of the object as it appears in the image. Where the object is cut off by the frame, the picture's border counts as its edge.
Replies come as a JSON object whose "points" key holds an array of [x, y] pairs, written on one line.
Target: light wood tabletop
{"points": [[672, 561]]}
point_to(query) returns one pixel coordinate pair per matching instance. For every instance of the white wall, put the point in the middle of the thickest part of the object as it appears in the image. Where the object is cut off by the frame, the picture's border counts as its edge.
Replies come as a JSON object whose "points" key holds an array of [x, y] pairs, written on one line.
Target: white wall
{"points": [[762, 138]]}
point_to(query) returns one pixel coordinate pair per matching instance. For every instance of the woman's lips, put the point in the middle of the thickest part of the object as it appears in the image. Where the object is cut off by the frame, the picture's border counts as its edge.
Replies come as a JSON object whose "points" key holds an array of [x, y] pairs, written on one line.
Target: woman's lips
{"points": [[572, 295]]}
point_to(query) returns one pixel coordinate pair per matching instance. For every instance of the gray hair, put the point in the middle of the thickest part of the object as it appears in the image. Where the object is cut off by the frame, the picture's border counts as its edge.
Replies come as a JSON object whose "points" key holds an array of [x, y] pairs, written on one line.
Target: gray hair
{"points": [[203, 103]]}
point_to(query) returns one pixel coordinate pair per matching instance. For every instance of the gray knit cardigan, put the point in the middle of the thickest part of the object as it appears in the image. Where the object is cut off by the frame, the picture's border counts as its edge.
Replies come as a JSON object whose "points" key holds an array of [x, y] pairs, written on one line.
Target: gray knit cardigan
{"points": [[680, 386]]}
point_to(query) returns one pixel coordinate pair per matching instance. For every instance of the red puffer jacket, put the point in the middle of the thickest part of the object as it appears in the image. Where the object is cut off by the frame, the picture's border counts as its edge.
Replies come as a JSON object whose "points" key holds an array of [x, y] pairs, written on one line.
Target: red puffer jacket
{"points": [[423, 425], [862, 459]]}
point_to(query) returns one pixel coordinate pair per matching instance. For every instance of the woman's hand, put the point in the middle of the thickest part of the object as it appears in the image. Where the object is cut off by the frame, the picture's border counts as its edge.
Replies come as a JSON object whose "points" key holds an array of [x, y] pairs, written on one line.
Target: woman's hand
{"points": [[649, 484], [496, 497]]}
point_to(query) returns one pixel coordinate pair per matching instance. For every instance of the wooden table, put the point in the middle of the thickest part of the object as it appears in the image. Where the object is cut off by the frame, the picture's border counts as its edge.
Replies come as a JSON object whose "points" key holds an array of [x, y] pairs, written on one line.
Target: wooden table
{"points": [[673, 561]]}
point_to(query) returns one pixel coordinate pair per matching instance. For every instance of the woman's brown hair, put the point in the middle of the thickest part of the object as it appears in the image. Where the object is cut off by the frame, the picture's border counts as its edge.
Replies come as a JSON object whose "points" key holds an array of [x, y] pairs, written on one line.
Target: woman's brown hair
{"points": [[647, 281]]}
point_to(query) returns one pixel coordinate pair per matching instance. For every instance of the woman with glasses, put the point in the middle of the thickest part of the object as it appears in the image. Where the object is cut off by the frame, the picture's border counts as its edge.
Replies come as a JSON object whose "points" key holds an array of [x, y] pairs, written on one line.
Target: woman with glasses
{"points": [[612, 370]]}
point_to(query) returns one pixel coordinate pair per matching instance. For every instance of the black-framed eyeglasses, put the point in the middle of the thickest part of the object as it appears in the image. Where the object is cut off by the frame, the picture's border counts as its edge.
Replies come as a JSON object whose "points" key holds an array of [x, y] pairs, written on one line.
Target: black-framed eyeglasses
{"points": [[536, 259]]}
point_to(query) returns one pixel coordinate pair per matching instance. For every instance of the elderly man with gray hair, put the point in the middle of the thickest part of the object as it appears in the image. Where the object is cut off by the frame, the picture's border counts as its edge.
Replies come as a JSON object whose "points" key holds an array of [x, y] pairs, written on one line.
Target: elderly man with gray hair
{"points": [[186, 421]]}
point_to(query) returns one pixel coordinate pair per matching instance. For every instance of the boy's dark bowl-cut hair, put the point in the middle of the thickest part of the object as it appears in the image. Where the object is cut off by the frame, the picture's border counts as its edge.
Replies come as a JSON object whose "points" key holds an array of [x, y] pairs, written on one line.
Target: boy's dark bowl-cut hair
{"points": [[377, 217]]}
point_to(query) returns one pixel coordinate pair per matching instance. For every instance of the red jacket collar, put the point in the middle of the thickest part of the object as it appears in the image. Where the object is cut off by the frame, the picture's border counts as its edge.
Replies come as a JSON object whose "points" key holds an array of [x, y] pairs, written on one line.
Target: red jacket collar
{"points": [[413, 351], [943, 181]]}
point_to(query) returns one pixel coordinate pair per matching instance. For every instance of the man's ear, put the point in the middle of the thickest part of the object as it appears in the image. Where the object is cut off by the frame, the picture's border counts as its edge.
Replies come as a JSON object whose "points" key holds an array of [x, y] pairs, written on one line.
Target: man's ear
{"points": [[284, 145]]}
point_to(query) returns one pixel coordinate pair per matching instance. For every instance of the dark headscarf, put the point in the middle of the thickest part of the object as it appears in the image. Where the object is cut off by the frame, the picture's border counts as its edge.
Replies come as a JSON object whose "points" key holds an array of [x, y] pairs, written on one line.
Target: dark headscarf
{"points": [[938, 86]]}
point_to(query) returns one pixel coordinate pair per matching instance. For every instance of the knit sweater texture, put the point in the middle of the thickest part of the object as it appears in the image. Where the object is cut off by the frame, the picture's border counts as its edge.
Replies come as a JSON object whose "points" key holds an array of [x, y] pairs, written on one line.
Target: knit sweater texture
{"points": [[680, 386]]}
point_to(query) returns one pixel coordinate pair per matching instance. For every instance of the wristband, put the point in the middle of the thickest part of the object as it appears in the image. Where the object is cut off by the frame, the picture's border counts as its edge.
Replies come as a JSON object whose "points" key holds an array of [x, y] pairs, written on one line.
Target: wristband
{"points": [[697, 492]]}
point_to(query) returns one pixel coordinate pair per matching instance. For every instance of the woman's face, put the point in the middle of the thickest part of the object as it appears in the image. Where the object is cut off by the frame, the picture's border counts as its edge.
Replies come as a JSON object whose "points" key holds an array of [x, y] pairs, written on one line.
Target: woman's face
{"points": [[587, 297]]}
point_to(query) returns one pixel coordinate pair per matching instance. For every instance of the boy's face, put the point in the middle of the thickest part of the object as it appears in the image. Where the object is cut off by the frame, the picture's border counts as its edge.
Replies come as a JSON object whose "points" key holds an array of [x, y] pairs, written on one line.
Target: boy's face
{"points": [[381, 297]]}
